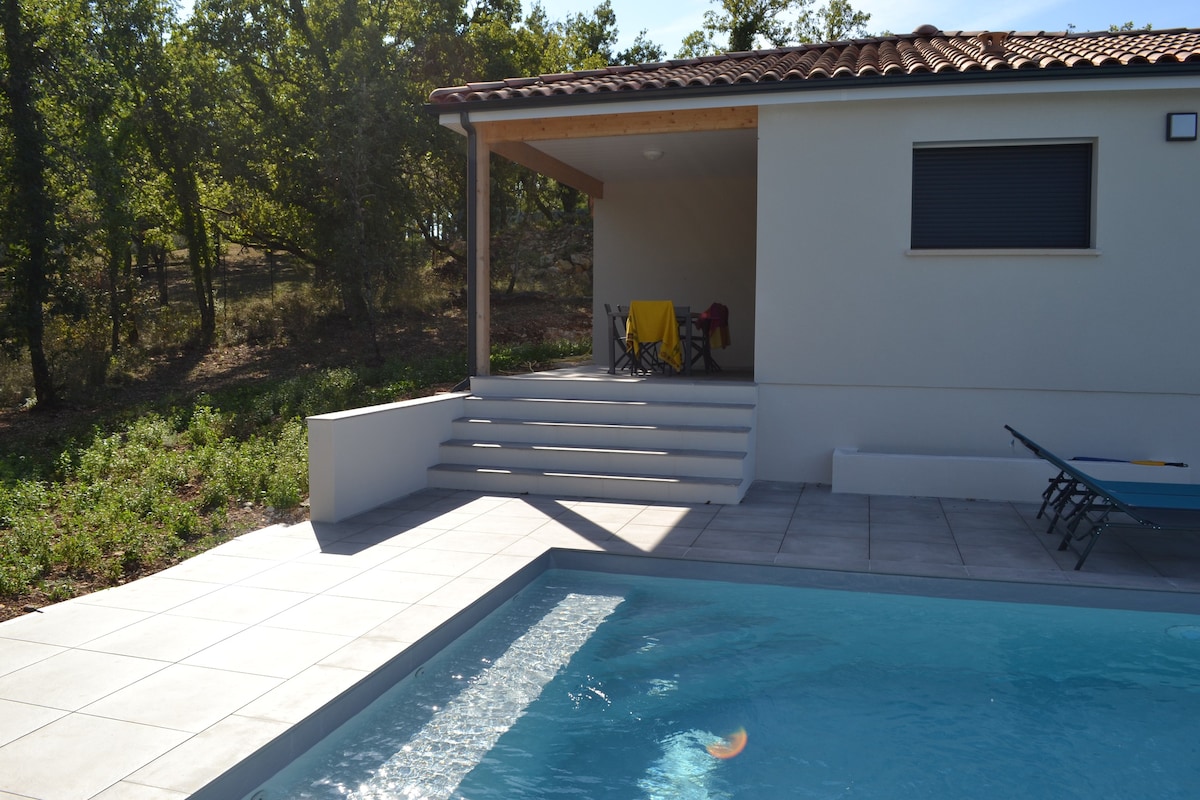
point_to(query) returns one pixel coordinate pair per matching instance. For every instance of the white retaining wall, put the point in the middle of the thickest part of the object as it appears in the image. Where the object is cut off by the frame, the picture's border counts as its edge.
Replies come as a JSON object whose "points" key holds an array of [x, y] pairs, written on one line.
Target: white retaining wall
{"points": [[362, 458]]}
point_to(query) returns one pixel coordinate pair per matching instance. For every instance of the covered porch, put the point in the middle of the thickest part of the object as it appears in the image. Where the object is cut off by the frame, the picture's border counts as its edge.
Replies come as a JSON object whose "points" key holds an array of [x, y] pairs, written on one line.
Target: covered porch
{"points": [[673, 199]]}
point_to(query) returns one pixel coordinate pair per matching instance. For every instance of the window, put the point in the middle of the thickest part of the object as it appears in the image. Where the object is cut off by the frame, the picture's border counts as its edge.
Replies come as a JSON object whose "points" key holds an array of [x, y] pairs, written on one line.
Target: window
{"points": [[1002, 197]]}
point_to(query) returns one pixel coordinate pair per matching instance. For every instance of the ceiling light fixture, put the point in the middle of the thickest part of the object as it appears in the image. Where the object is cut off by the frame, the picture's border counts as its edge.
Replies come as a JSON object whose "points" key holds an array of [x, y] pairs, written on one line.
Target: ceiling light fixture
{"points": [[652, 154]]}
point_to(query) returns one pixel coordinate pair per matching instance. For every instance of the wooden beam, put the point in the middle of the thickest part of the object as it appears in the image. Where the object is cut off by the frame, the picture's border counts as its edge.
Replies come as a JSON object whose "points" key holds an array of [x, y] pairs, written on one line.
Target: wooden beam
{"points": [[482, 346], [551, 167], [633, 123]]}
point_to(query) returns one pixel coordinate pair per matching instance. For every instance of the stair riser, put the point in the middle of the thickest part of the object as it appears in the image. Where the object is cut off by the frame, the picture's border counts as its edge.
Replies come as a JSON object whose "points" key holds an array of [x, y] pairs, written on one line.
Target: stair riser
{"points": [[591, 461], [681, 389], [615, 413], [568, 486], [583, 435]]}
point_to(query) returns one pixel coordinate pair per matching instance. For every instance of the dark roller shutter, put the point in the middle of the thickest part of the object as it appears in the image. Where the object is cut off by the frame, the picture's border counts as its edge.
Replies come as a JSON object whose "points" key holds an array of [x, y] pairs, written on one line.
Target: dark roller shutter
{"points": [[1021, 196]]}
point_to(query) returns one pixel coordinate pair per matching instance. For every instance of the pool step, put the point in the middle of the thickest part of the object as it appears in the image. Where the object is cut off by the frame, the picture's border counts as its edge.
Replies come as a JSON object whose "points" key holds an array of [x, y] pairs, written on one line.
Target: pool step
{"points": [[673, 441]]}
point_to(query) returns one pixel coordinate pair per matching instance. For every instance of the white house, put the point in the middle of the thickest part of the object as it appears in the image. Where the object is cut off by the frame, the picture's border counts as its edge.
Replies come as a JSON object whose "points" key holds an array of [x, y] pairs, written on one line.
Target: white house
{"points": [[920, 238]]}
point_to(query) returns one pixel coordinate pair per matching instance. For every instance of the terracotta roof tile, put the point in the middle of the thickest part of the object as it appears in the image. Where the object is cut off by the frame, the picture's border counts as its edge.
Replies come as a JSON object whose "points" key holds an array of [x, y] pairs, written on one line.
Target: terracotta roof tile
{"points": [[928, 55]]}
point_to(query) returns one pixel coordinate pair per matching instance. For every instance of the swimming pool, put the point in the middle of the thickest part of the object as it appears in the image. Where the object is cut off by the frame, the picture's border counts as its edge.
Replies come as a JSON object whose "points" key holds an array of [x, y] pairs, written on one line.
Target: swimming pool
{"points": [[611, 686]]}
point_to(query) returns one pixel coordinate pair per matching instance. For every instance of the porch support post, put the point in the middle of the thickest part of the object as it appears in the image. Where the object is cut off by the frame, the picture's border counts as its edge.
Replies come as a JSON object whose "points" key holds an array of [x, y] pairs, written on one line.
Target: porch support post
{"points": [[479, 270]]}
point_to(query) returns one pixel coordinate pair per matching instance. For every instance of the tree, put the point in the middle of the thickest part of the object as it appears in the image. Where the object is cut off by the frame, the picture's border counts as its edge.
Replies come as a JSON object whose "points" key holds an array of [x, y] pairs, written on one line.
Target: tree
{"points": [[29, 210], [834, 22], [748, 24], [642, 51]]}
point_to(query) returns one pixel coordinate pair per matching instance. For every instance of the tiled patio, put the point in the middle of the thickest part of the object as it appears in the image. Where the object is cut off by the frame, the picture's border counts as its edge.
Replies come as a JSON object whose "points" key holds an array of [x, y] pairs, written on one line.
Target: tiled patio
{"points": [[151, 690]]}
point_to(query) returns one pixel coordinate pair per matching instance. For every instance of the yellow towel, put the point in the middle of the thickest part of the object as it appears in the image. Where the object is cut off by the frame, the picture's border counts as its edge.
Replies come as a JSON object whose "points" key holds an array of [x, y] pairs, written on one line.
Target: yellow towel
{"points": [[654, 321]]}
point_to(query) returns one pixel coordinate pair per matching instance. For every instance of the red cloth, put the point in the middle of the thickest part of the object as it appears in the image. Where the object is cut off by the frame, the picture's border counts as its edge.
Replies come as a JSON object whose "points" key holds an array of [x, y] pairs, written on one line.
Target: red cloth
{"points": [[715, 323]]}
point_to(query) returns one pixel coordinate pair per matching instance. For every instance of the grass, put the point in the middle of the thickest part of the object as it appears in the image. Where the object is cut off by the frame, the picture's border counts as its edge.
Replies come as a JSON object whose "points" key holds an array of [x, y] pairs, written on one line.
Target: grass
{"points": [[150, 486]]}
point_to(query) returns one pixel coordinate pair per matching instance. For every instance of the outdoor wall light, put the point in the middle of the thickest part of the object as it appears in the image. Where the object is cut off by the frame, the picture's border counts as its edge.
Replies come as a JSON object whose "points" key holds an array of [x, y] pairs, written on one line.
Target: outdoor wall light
{"points": [[1181, 127], [655, 155]]}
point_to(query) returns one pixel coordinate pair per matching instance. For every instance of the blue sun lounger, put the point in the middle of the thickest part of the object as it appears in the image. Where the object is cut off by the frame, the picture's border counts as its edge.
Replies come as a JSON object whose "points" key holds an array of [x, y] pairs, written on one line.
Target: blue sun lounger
{"points": [[1086, 506]]}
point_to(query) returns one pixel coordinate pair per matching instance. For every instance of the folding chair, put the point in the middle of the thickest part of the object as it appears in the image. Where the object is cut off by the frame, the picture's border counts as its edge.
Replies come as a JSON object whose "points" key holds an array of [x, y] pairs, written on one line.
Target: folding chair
{"points": [[619, 357]]}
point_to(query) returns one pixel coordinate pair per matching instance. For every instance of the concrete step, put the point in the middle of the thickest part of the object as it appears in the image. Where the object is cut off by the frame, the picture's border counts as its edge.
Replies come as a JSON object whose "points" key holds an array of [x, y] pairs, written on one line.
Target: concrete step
{"points": [[606, 387], [697, 437], [588, 458], [647, 488], [630, 412]]}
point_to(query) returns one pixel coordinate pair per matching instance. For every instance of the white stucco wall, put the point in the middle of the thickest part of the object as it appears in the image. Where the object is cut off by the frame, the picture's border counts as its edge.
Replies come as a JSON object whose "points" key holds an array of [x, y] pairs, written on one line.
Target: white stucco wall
{"points": [[691, 242], [861, 345], [364, 457]]}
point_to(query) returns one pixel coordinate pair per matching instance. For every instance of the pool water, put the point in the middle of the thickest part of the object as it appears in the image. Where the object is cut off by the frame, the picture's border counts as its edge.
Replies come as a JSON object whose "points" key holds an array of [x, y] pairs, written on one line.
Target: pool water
{"points": [[611, 687]]}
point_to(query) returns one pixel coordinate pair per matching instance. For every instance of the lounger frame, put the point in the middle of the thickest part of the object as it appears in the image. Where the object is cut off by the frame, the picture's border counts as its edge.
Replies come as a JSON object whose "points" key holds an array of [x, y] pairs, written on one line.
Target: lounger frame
{"points": [[1084, 507]]}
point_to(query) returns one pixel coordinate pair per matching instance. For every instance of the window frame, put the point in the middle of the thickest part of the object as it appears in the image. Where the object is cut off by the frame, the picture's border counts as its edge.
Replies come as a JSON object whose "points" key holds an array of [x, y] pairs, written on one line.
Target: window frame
{"points": [[974, 180]]}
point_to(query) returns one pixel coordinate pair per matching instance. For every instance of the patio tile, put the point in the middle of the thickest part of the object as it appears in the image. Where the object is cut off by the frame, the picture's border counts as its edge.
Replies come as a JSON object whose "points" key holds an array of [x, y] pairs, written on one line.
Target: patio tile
{"points": [[364, 654], [833, 563], [32, 766], [755, 523], [475, 541], [925, 552], [675, 517], [836, 547], [272, 548], [895, 504], [832, 513], [805, 526], [245, 604], [15, 653], [127, 790], [68, 624], [661, 551], [498, 567], [154, 593], [412, 623], [273, 652], [650, 537], [74, 678], [909, 517], [918, 568], [494, 523], [731, 554], [393, 586], [205, 756], [910, 532], [460, 592], [1026, 555], [165, 637], [300, 576], [340, 615], [18, 719], [216, 568], [295, 699], [431, 561], [185, 698], [353, 554], [746, 541]]}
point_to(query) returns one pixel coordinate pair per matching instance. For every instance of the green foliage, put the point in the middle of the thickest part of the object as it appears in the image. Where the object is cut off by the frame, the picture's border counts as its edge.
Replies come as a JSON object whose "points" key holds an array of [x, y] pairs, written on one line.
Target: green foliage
{"points": [[138, 494], [740, 25]]}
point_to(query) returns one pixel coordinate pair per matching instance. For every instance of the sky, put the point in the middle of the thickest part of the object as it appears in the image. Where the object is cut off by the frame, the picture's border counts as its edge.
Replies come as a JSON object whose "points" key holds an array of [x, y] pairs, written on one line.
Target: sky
{"points": [[668, 21]]}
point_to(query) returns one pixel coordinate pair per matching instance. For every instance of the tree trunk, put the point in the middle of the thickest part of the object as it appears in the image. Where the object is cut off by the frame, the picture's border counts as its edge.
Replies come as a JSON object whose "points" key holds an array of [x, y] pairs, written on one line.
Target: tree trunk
{"points": [[34, 218]]}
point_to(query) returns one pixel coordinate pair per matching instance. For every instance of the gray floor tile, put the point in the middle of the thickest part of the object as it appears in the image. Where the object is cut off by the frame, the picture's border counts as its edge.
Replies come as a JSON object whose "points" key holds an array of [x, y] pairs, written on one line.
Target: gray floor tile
{"points": [[342, 615], [165, 637], [909, 550], [74, 678], [186, 698], [910, 532], [273, 652], [839, 547], [245, 604], [206, 755], [18, 719], [69, 624], [34, 765]]}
